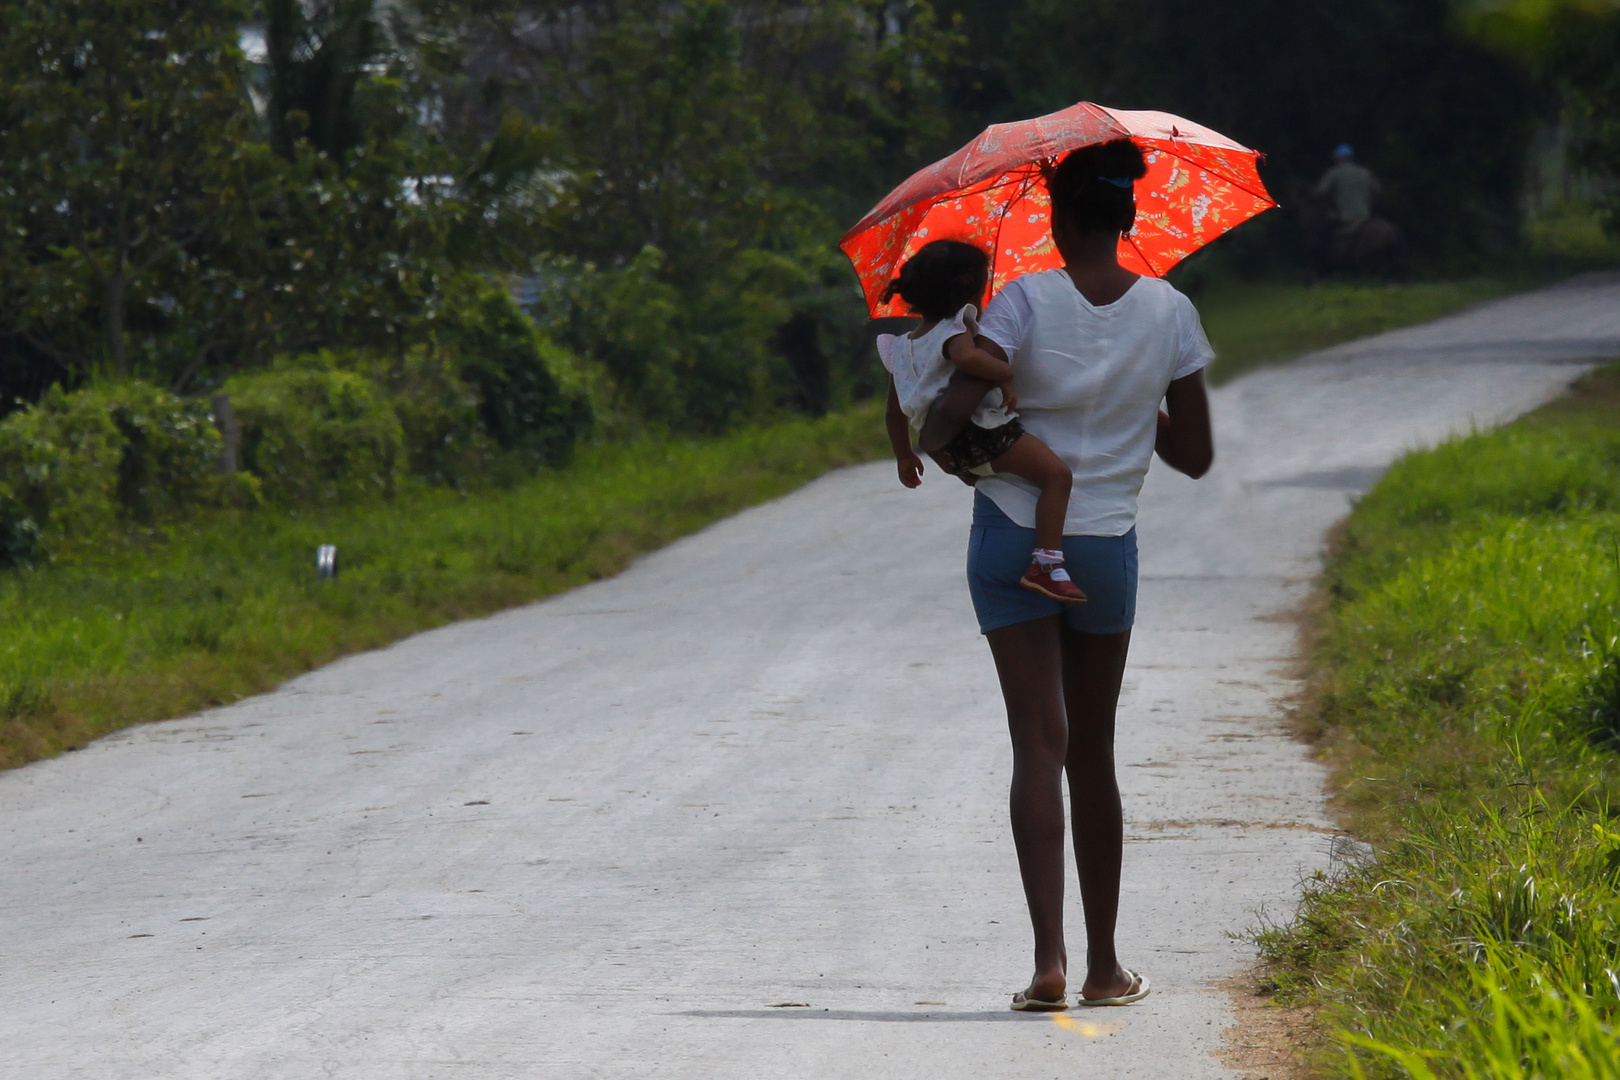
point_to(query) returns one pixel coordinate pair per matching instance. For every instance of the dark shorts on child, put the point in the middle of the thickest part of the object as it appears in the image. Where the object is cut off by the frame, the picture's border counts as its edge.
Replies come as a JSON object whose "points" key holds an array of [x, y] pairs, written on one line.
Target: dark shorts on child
{"points": [[999, 550], [975, 446]]}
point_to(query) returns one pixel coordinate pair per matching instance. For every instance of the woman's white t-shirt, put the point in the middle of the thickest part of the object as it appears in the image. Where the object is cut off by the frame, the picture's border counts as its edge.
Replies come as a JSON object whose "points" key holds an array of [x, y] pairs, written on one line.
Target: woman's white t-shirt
{"points": [[1090, 380], [922, 371]]}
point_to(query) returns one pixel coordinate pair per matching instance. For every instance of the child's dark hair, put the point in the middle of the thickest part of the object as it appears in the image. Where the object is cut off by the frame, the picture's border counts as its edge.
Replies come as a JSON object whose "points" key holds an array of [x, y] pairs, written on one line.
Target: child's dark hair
{"points": [[942, 277], [1092, 188]]}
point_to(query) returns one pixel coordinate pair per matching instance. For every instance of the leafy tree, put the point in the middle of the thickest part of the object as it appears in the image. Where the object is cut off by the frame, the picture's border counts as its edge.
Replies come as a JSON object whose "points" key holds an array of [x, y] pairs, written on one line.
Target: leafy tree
{"points": [[1589, 63], [499, 352], [125, 149], [703, 157], [1573, 48], [317, 60]]}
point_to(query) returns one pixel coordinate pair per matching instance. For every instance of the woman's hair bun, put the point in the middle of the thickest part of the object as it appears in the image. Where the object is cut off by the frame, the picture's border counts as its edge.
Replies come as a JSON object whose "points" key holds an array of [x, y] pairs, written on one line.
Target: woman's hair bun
{"points": [[1120, 158], [1082, 189]]}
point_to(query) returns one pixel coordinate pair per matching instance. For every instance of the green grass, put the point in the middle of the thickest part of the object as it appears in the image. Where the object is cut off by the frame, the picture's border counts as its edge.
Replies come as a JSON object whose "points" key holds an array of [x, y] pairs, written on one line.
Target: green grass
{"points": [[1571, 235], [1468, 697], [1252, 325], [160, 624]]}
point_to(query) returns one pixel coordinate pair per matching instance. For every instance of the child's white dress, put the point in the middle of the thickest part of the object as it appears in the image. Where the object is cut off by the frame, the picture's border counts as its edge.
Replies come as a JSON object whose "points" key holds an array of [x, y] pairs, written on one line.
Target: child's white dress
{"points": [[921, 370]]}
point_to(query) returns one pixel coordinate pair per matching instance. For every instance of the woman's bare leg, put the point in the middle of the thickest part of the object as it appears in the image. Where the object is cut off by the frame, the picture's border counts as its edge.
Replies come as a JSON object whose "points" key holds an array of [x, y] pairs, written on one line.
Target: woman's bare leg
{"points": [[1029, 661], [1093, 666]]}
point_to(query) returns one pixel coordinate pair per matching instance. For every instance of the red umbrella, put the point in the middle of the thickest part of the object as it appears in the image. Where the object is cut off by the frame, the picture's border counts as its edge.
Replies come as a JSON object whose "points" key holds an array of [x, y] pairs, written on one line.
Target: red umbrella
{"points": [[1199, 185]]}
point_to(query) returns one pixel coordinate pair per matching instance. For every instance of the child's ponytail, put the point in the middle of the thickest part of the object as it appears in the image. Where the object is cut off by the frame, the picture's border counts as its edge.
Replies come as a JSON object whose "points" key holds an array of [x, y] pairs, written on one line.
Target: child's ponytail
{"points": [[897, 287], [942, 278]]}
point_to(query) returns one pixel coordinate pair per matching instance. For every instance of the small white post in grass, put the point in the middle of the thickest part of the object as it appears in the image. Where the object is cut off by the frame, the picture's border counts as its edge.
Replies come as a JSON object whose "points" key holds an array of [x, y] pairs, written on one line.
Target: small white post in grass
{"points": [[326, 562]]}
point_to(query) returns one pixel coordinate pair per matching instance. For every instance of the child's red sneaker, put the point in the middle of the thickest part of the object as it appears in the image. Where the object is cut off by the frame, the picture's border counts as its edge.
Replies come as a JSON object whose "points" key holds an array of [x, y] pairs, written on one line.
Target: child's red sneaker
{"points": [[1052, 581]]}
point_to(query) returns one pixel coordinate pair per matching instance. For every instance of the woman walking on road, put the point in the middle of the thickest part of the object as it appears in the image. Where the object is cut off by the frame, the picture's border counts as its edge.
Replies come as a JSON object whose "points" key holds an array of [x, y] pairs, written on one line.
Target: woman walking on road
{"points": [[1095, 350]]}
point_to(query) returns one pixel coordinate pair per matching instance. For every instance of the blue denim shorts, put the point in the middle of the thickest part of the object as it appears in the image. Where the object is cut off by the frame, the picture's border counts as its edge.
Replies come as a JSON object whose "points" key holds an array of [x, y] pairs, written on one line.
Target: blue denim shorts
{"points": [[999, 551]]}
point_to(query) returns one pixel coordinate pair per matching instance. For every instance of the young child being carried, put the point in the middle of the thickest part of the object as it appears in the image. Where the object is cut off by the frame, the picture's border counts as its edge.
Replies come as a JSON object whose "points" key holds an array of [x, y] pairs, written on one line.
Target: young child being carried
{"points": [[942, 283]]}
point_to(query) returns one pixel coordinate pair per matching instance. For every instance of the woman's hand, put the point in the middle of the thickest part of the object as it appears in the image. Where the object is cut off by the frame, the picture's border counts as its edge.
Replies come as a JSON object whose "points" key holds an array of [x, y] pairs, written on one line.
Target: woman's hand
{"points": [[911, 470]]}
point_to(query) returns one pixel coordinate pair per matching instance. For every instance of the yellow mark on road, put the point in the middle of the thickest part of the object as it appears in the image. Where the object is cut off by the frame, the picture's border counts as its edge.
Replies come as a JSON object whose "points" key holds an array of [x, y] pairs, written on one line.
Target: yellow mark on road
{"points": [[1084, 1027]]}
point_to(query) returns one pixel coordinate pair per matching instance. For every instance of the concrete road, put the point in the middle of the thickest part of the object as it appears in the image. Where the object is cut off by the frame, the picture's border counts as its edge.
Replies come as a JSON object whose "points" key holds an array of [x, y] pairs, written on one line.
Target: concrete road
{"points": [[737, 813]]}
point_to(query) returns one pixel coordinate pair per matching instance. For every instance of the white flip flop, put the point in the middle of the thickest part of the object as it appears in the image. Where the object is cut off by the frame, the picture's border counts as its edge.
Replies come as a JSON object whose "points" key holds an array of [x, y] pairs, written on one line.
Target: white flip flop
{"points": [[1029, 1004], [1139, 990]]}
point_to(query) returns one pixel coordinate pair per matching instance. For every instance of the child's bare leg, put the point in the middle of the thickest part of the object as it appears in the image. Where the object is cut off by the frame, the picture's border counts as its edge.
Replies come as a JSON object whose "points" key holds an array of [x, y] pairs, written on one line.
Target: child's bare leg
{"points": [[1034, 461]]}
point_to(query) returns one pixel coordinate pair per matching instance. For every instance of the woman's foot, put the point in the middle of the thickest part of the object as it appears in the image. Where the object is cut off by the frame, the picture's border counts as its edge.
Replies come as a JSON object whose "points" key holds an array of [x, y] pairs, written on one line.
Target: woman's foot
{"points": [[1046, 993], [1121, 987], [1052, 581]]}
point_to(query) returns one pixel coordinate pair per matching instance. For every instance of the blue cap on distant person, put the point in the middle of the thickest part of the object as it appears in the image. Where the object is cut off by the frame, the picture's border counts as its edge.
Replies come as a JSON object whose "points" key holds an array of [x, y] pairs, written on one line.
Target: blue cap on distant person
{"points": [[1344, 150]]}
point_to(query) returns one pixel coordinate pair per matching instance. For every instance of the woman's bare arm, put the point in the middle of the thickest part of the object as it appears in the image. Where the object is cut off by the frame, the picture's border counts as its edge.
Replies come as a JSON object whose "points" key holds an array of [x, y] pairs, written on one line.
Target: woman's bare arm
{"points": [[1185, 441], [954, 409]]}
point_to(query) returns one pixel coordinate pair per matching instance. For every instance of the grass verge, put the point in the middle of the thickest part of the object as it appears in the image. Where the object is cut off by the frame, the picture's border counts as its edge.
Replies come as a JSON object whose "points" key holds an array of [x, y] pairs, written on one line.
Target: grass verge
{"points": [[161, 624], [1468, 698], [1253, 325]]}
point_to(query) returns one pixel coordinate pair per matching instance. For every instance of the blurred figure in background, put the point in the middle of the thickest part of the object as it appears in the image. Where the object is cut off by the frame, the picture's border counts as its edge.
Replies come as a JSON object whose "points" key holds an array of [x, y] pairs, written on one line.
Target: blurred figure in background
{"points": [[1351, 189], [1340, 232]]}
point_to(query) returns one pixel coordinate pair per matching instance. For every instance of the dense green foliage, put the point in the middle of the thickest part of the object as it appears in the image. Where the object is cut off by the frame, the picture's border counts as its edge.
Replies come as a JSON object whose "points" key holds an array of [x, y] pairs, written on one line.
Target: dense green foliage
{"points": [[169, 463], [150, 229], [81, 464], [475, 403], [1573, 48], [60, 459], [126, 152], [512, 370], [315, 433], [1471, 700], [21, 544], [664, 183], [679, 172], [706, 156], [162, 622]]}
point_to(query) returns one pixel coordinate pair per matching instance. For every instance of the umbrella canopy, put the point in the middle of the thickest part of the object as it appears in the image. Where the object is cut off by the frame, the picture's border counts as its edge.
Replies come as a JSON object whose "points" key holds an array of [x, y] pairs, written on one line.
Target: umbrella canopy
{"points": [[1199, 185]]}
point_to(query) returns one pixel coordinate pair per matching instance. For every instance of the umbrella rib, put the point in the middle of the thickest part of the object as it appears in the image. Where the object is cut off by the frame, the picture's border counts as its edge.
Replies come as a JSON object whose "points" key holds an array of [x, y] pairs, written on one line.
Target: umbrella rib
{"points": [[1001, 221], [1264, 196], [1007, 179]]}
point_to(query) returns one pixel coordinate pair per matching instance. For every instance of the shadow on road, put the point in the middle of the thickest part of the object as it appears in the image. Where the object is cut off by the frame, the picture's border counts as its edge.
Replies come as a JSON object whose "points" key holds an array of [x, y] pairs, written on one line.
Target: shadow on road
{"points": [[808, 1013]]}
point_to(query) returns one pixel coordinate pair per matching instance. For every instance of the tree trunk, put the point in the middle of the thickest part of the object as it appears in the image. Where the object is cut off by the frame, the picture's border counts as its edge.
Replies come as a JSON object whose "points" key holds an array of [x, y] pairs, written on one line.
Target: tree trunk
{"points": [[117, 289], [113, 320]]}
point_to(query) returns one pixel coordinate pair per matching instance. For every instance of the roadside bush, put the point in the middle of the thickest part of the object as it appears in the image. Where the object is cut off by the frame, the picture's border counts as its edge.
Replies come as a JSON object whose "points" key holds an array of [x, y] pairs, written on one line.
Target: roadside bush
{"points": [[441, 437], [313, 433], [170, 454], [510, 365], [79, 462], [61, 461], [20, 543], [690, 354], [444, 438]]}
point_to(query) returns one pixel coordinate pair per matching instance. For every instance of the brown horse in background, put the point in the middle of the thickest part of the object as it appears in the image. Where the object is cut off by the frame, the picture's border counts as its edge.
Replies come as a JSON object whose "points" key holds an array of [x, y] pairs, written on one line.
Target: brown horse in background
{"points": [[1375, 248]]}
